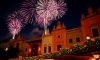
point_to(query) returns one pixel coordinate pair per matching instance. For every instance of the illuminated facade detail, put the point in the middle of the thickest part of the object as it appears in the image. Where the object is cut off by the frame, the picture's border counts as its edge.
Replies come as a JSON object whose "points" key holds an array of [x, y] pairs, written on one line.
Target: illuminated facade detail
{"points": [[47, 43], [59, 38]]}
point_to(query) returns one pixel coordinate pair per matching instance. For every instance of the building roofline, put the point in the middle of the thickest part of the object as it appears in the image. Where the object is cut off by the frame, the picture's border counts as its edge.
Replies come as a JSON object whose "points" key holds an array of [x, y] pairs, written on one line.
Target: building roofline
{"points": [[78, 28]]}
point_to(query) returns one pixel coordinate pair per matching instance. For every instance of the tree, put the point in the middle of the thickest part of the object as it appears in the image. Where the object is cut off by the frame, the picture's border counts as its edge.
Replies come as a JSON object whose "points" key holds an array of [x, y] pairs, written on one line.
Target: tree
{"points": [[89, 46], [77, 50], [65, 51], [97, 44]]}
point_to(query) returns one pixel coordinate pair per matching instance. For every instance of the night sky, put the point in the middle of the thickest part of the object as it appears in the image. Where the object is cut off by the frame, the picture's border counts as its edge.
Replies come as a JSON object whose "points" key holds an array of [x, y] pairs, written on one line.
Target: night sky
{"points": [[71, 18]]}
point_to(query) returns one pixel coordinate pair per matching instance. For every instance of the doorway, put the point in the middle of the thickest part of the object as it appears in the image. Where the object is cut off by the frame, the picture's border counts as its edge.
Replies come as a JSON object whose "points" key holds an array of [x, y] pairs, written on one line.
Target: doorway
{"points": [[35, 50]]}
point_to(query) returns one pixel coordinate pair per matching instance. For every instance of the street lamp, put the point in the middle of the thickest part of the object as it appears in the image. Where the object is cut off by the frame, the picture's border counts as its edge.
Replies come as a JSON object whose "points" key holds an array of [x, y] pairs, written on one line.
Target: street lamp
{"points": [[6, 49], [88, 38]]}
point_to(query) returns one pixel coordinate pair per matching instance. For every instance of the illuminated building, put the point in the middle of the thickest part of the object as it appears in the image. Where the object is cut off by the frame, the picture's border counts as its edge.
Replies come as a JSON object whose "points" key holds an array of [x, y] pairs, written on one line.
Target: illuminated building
{"points": [[60, 36]]}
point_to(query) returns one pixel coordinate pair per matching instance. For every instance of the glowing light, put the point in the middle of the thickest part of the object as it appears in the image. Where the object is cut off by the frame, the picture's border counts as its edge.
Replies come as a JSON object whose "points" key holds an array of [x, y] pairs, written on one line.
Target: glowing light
{"points": [[14, 27], [6, 49], [27, 10], [29, 50], [39, 49], [96, 56], [92, 58], [88, 37]]}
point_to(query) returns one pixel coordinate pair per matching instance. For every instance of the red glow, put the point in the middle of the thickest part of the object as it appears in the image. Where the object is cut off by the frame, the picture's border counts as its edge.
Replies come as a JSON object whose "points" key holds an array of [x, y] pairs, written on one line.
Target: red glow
{"points": [[29, 50], [39, 50], [92, 58]]}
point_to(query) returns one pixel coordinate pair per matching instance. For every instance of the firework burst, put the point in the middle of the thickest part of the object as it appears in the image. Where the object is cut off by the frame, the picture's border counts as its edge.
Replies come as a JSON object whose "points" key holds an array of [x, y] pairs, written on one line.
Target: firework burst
{"points": [[61, 7], [18, 16], [27, 9], [14, 27], [41, 21], [48, 10]]}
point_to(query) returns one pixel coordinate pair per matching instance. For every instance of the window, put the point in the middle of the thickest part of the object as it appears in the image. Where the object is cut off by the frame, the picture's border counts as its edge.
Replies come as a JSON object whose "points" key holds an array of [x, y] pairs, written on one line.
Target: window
{"points": [[70, 41], [95, 32], [58, 36], [26, 49], [45, 49], [77, 39], [49, 49], [58, 47]]}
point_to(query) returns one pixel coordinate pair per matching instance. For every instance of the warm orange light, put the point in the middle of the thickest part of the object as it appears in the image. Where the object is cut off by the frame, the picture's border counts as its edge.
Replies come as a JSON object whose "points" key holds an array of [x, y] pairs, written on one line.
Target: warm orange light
{"points": [[39, 49], [96, 56], [29, 50], [92, 58]]}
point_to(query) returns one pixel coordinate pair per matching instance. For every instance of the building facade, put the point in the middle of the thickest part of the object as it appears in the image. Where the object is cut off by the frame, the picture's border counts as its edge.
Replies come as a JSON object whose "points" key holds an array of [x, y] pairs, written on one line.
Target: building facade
{"points": [[90, 24], [60, 36]]}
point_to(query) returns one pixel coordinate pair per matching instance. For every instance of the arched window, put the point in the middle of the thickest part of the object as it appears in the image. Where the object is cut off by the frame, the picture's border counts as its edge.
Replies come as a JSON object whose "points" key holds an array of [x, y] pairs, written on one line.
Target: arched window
{"points": [[95, 31], [49, 48], [59, 47]]}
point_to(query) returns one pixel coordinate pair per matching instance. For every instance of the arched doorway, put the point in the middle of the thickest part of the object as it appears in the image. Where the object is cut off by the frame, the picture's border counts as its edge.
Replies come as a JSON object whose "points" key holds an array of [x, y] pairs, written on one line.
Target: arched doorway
{"points": [[17, 46], [35, 50]]}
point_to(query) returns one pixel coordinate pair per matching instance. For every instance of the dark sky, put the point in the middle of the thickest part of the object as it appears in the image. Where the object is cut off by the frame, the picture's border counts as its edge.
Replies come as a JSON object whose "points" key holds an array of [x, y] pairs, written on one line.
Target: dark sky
{"points": [[71, 18]]}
